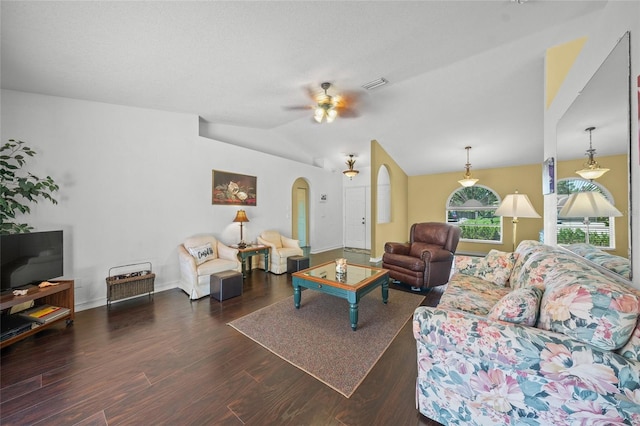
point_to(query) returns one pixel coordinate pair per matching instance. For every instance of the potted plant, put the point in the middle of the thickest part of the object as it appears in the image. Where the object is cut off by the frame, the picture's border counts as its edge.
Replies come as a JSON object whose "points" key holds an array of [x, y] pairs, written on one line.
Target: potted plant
{"points": [[18, 191]]}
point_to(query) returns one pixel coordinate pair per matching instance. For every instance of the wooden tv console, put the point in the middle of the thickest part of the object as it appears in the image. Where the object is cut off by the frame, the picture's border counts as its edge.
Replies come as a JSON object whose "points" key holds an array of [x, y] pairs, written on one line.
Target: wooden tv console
{"points": [[58, 295]]}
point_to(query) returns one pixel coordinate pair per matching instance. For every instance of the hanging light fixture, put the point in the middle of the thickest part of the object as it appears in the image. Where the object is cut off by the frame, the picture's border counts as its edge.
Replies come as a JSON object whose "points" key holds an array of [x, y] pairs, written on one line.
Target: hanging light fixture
{"points": [[592, 169], [326, 108], [467, 180], [351, 172]]}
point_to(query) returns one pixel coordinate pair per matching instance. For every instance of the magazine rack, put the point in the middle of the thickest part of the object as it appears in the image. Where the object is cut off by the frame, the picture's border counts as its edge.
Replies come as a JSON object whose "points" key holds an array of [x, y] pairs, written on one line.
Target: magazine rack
{"points": [[130, 284]]}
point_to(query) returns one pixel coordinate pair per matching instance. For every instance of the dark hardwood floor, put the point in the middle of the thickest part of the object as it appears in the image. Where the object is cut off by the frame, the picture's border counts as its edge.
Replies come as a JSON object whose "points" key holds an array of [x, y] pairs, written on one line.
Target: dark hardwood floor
{"points": [[169, 361]]}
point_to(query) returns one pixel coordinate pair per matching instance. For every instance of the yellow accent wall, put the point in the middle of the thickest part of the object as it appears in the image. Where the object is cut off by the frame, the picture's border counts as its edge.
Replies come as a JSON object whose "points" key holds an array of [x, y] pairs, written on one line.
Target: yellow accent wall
{"points": [[612, 181], [397, 229], [429, 195], [559, 60]]}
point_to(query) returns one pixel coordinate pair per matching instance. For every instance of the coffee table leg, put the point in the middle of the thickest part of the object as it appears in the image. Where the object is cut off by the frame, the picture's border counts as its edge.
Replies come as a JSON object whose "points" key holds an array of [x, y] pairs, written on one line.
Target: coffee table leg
{"points": [[353, 315], [296, 296], [385, 291]]}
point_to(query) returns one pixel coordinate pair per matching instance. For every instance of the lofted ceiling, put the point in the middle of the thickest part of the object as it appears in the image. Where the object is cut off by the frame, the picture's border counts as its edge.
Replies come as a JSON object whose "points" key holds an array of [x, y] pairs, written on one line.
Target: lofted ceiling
{"points": [[460, 72]]}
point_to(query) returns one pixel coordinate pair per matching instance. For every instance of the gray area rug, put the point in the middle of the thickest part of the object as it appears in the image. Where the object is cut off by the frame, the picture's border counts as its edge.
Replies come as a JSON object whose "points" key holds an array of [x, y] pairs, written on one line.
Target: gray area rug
{"points": [[317, 338]]}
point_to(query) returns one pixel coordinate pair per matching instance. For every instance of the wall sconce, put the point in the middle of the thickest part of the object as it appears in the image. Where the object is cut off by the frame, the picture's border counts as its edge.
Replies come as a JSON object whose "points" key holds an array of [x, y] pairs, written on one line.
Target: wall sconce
{"points": [[467, 180], [592, 169], [351, 172]]}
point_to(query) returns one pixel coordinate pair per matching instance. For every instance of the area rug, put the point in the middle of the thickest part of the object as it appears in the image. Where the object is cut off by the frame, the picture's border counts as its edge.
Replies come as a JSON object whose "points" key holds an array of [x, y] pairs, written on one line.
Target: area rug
{"points": [[317, 338]]}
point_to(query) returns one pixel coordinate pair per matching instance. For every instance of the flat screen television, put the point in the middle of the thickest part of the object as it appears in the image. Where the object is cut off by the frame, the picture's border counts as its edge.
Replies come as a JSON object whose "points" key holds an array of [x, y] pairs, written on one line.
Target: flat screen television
{"points": [[30, 258]]}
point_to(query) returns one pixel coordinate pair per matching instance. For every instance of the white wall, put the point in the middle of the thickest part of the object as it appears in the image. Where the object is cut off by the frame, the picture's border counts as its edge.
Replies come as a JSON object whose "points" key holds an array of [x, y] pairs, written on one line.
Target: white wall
{"points": [[135, 182], [617, 18]]}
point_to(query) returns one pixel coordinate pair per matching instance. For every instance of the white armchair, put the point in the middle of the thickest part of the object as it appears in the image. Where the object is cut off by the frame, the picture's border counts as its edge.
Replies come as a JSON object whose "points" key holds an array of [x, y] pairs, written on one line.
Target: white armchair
{"points": [[200, 257], [281, 248]]}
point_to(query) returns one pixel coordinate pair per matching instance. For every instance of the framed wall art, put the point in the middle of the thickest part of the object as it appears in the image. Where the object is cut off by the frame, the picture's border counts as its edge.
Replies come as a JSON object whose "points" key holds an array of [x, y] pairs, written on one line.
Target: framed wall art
{"points": [[548, 176], [233, 188]]}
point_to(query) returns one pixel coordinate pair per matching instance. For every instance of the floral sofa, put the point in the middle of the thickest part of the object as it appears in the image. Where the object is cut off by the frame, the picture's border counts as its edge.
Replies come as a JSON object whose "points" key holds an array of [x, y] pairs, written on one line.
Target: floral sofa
{"points": [[534, 337]]}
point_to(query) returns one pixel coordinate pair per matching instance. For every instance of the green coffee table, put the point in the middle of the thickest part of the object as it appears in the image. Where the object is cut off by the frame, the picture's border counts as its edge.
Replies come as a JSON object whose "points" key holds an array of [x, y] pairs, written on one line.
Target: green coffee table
{"points": [[358, 281]]}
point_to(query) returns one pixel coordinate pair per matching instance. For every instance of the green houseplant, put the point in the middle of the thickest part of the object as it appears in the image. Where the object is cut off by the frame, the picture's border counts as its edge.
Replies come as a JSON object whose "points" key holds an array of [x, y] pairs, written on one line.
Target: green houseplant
{"points": [[19, 190]]}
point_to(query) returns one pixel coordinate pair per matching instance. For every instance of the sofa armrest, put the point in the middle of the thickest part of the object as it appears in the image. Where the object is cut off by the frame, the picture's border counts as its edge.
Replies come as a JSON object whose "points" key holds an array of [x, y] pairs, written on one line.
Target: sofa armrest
{"points": [[187, 266], [467, 265], [226, 252], [518, 346], [290, 242], [396, 248], [268, 244]]}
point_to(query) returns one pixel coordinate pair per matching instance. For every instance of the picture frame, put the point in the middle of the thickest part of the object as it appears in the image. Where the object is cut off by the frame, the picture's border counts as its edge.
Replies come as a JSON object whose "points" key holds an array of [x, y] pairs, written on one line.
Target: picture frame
{"points": [[229, 188], [323, 198], [548, 176]]}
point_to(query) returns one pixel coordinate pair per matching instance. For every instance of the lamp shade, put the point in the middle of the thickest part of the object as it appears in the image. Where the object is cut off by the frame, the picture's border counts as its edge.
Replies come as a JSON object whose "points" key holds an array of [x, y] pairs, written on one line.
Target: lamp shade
{"points": [[516, 205], [241, 216], [588, 204]]}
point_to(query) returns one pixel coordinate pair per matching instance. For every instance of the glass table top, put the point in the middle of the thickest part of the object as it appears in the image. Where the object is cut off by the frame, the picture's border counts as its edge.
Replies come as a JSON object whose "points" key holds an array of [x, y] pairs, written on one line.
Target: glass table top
{"points": [[355, 274]]}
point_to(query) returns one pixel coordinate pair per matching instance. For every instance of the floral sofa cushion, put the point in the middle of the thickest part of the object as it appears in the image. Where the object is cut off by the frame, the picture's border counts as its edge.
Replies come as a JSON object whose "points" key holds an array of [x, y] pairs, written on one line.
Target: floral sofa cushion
{"points": [[589, 307], [475, 371], [631, 349], [520, 306], [496, 267], [471, 294]]}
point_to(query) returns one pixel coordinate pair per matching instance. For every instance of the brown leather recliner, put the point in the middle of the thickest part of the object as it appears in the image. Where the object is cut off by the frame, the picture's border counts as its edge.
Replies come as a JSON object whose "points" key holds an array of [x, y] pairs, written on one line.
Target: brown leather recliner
{"points": [[426, 261]]}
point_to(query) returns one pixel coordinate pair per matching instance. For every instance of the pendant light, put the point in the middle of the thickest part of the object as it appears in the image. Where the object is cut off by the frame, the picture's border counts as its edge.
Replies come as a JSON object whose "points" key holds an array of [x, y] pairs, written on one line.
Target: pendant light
{"points": [[467, 180], [592, 169], [351, 172]]}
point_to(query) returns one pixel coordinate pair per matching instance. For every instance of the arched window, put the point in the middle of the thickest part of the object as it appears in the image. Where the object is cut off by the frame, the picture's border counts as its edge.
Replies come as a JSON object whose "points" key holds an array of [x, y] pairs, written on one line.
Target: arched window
{"points": [[473, 209], [571, 230], [384, 195]]}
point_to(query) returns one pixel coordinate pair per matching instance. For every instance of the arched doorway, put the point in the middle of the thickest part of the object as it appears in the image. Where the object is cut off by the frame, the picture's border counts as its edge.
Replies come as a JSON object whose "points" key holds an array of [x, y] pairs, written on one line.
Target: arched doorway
{"points": [[300, 211]]}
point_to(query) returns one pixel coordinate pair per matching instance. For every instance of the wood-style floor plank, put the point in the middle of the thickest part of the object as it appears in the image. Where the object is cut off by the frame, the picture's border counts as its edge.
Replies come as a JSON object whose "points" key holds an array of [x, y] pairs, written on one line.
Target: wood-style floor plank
{"points": [[167, 360]]}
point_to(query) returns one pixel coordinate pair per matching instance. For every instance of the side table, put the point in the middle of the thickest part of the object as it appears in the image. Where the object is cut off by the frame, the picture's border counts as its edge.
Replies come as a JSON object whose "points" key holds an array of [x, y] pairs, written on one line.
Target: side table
{"points": [[245, 254]]}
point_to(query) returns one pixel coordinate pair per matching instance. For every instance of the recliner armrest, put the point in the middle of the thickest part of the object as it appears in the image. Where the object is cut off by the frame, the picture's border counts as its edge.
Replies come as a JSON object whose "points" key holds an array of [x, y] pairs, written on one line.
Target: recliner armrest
{"points": [[434, 254], [396, 248]]}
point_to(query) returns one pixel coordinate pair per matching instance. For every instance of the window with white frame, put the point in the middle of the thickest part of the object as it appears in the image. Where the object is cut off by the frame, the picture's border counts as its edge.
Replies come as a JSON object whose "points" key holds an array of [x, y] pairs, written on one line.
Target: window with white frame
{"points": [[571, 230], [473, 210]]}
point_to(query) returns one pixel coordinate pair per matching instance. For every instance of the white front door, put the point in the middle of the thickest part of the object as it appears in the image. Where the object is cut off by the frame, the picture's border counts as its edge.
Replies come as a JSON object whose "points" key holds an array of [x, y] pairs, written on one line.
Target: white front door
{"points": [[355, 217]]}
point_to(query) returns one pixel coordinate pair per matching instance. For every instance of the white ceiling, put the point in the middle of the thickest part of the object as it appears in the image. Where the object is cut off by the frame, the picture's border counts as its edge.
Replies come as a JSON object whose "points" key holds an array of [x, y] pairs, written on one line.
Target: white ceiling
{"points": [[460, 72]]}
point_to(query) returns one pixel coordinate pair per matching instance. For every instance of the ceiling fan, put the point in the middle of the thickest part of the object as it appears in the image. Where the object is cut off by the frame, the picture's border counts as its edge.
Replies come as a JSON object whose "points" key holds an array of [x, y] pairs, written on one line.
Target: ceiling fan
{"points": [[327, 107]]}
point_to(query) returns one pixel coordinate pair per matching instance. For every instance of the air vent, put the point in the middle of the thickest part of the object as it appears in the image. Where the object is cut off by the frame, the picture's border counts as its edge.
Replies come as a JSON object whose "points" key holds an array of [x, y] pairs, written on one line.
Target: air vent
{"points": [[375, 83]]}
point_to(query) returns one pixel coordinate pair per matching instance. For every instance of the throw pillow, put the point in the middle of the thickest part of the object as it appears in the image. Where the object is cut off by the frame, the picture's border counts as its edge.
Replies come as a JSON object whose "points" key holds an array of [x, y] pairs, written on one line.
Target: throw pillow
{"points": [[519, 306], [202, 253], [496, 267]]}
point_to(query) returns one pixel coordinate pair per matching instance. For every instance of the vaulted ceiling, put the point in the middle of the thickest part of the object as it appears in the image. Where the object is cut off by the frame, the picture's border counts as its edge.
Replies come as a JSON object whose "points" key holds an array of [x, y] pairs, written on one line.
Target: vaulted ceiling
{"points": [[460, 72]]}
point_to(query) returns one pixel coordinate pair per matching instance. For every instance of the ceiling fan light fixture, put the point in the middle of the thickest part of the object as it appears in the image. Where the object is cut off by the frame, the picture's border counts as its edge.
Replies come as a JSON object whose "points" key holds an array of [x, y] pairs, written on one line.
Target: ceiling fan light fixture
{"points": [[591, 169], [326, 108], [467, 180], [351, 172]]}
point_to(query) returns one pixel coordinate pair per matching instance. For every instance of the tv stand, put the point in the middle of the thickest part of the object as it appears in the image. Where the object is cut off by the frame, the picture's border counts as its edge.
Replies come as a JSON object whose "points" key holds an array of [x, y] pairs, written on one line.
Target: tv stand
{"points": [[61, 295]]}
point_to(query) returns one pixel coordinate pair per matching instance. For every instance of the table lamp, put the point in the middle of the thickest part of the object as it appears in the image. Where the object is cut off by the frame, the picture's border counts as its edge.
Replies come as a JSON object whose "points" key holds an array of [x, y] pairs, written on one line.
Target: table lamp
{"points": [[241, 217], [515, 206]]}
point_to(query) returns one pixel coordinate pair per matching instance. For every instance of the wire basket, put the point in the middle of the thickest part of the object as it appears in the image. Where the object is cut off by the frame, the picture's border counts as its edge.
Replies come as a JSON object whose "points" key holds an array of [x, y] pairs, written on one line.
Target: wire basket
{"points": [[130, 284]]}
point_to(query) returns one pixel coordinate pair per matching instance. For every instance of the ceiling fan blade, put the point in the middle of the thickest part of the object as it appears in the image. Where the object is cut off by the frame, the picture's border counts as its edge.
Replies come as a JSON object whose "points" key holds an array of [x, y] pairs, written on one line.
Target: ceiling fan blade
{"points": [[298, 107]]}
